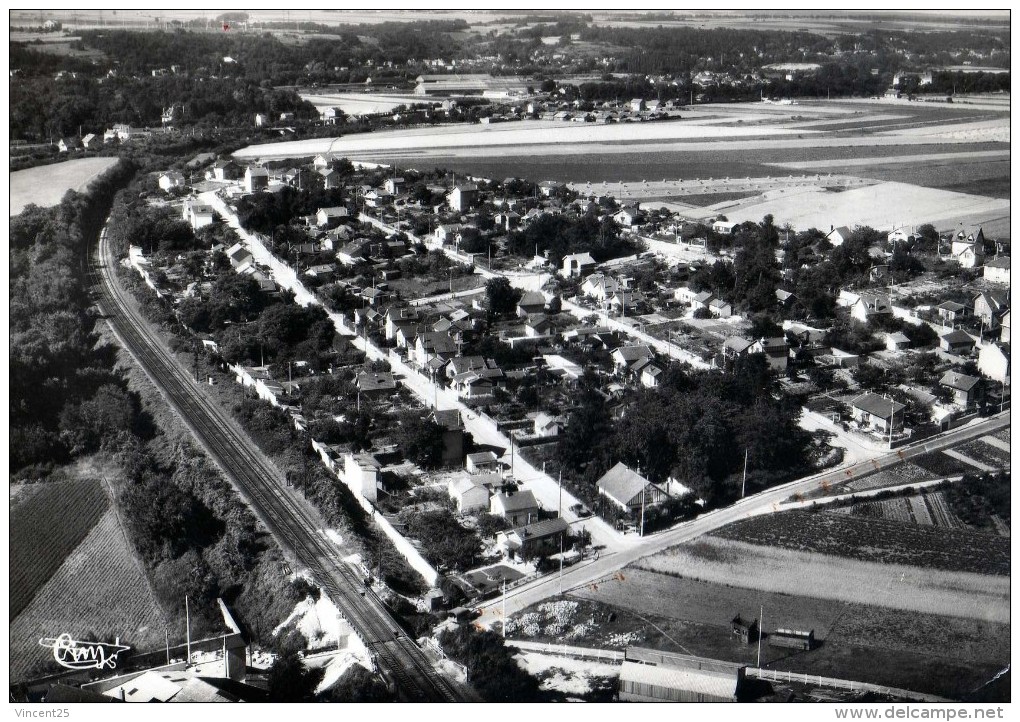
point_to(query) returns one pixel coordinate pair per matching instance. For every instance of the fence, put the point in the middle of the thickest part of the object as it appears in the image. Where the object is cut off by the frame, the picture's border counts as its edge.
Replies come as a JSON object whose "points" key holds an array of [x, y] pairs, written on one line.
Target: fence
{"points": [[773, 675], [610, 656]]}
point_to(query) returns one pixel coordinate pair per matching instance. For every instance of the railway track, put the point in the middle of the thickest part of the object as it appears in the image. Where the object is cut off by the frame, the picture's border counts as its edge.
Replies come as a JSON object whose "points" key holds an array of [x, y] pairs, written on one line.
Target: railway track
{"points": [[398, 658]]}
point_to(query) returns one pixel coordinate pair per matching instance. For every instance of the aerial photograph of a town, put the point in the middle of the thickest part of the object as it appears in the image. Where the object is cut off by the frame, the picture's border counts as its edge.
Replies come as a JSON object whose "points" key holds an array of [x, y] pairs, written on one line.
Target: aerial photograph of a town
{"points": [[533, 356]]}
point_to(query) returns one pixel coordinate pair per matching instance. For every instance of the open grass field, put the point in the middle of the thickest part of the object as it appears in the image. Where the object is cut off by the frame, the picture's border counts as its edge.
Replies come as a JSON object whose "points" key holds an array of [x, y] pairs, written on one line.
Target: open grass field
{"points": [[875, 541], [99, 589], [46, 185], [48, 522], [936, 654], [779, 570]]}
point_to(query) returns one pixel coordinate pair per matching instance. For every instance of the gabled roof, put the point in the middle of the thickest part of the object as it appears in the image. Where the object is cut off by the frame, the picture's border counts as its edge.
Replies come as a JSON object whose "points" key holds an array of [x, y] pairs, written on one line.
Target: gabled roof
{"points": [[877, 405], [633, 353], [532, 298], [622, 483], [448, 419], [897, 337], [368, 381], [998, 262], [482, 457], [951, 306], [518, 501], [541, 529], [957, 336], [958, 381], [737, 344]]}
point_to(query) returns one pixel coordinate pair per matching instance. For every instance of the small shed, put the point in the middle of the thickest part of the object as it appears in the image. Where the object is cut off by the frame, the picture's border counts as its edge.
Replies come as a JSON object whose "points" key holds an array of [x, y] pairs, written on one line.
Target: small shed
{"points": [[747, 630], [793, 639]]}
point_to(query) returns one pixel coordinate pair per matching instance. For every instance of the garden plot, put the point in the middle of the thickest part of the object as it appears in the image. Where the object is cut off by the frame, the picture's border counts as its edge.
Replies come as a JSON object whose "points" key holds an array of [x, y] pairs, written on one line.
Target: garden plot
{"points": [[941, 464], [985, 453], [873, 540]]}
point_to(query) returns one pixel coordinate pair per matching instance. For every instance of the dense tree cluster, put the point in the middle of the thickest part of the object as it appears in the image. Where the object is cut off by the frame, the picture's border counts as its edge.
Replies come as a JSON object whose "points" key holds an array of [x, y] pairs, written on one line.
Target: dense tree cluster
{"points": [[561, 235], [492, 669], [66, 399], [695, 427], [445, 543]]}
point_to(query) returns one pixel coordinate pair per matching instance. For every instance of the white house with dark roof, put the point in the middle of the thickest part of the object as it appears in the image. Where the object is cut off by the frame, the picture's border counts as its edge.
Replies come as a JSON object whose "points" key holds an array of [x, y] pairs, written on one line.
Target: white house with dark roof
{"points": [[964, 388], [468, 494], [968, 246], [517, 507], [876, 413], [625, 356], [994, 362], [838, 236], [997, 270], [463, 197], [577, 264], [256, 179]]}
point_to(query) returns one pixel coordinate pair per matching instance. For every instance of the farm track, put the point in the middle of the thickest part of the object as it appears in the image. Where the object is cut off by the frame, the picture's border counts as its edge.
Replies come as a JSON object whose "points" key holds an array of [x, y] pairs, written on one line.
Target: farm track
{"points": [[399, 658]]}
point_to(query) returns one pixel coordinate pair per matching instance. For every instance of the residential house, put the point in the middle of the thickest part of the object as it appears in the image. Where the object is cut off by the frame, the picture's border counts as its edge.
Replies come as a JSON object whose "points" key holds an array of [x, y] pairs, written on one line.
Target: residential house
{"points": [[787, 300], [517, 507], [375, 296], [627, 490], [838, 236], [323, 161], [950, 312], [539, 326], [577, 264], [625, 356], [1004, 321], [376, 385], [330, 217], [66, 145], [225, 170], [637, 105], [332, 115], [400, 317], [903, 234], [599, 286], [869, 305], [776, 350], [876, 413], [91, 141], [199, 215], [463, 197], [549, 188], [430, 344], [170, 180], [256, 179], [395, 186], [355, 252], [482, 462], [968, 246], [724, 227], [897, 341], [997, 270], [239, 257], [474, 384], [989, 306], [956, 342], [650, 376], [546, 425], [453, 435], [468, 494], [330, 178], [993, 362], [531, 302], [532, 540], [736, 346], [361, 474], [447, 233], [629, 217], [720, 308], [965, 389]]}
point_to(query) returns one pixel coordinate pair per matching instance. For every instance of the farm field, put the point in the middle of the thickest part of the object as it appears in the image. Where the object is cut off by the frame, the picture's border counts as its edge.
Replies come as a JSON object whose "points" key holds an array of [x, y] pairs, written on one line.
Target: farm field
{"points": [[929, 509], [875, 541], [46, 185], [100, 589], [985, 453], [48, 521], [882, 205], [782, 570], [941, 464]]}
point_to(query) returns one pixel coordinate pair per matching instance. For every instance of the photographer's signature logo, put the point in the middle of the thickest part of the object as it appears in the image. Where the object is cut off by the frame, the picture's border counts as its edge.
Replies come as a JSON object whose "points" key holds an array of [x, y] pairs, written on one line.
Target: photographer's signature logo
{"points": [[83, 655]]}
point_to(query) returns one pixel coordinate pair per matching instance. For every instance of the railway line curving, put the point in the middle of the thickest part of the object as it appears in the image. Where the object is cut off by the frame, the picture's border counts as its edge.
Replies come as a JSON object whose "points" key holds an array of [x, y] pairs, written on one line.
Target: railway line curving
{"points": [[398, 658]]}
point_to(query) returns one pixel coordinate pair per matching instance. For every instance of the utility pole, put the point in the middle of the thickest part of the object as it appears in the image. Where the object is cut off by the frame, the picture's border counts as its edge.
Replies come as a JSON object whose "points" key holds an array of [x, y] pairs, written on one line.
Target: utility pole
{"points": [[743, 484], [187, 618], [761, 622], [504, 608]]}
